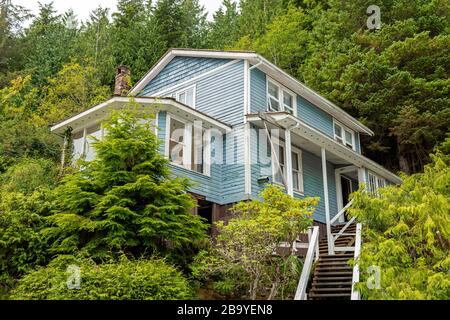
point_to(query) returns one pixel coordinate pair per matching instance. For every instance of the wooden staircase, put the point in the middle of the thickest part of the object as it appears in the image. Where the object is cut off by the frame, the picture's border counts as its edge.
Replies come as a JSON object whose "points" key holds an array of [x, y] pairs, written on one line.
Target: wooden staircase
{"points": [[332, 277]]}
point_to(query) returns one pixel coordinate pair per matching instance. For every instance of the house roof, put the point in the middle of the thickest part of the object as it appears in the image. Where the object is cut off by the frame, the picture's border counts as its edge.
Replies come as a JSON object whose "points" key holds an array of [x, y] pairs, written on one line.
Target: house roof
{"points": [[264, 65], [101, 111]]}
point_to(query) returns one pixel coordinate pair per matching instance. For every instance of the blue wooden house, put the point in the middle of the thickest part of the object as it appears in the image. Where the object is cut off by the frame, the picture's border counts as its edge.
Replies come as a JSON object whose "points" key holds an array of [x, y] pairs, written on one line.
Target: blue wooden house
{"points": [[244, 122]]}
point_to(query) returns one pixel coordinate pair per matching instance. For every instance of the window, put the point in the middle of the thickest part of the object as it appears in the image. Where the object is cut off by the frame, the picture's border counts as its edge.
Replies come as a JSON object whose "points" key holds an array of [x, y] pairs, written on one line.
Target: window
{"points": [[188, 145], [344, 135], [83, 142], [273, 97], [374, 183], [279, 169], [92, 133], [186, 96], [297, 171], [279, 98]]}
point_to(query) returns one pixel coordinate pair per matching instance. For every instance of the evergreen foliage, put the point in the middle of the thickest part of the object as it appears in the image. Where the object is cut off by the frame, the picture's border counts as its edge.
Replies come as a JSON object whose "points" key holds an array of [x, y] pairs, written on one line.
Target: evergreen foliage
{"points": [[124, 200]]}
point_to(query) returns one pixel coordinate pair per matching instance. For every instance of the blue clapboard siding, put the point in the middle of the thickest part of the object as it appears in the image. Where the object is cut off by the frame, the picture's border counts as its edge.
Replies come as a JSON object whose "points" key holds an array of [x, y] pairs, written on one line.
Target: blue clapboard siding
{"points": [[260, 158], [210, 187], [313, 184], [233, 179], [178, 70], [258, 91], [221, 94], [314, 116]]}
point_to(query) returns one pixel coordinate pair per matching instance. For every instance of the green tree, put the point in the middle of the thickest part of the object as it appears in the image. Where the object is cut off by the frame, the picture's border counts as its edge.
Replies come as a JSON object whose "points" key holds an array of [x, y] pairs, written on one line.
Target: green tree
{"points": [[406, 233], [224, 29], [243, 258], [124, 200]]}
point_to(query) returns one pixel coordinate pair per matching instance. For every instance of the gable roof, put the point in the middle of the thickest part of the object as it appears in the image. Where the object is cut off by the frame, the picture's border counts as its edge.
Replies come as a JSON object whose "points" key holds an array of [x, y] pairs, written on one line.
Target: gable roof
{"points": [[264, 65]]}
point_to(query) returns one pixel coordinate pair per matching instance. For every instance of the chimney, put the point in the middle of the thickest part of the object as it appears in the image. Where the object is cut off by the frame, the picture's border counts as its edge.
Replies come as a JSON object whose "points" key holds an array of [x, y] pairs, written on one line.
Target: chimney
{"points": [[123, 81]]}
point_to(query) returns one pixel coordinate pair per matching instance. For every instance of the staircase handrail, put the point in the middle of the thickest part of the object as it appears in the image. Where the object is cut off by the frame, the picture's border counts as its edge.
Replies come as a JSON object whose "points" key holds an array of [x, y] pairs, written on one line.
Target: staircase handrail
{"points": [[313, 252], [355, 278], [340, 213]]}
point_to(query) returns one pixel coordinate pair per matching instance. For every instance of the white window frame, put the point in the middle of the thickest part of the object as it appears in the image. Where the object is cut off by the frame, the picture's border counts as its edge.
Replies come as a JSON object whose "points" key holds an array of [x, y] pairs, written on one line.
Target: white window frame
{"points": [[188, 147], [301, 189], [343, 138], [378, 182], [184, 90], [275, 166], [281, 91]]}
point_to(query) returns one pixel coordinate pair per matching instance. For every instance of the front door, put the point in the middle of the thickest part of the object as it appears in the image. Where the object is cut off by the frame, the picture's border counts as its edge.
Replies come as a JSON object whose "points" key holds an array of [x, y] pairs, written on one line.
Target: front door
{"points": [[346, 187]]}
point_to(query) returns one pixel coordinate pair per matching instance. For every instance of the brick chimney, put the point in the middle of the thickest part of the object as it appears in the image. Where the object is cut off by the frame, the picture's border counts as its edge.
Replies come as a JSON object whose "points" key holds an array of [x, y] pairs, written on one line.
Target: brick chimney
{"points": [[123, 81]]}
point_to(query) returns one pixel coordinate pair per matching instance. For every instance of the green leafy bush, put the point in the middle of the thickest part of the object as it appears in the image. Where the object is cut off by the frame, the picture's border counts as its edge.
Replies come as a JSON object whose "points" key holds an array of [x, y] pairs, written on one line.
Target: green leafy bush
{"points": [[406, 233], [242, 262], [151, 279]]}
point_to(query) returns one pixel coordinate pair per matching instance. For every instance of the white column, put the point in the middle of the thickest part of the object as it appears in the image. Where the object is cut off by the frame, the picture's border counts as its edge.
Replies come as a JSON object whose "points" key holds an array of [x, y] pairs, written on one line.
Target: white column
{"points": [[326, 201], [362, 176], [247, 160], [288, 158], [187, 151]]}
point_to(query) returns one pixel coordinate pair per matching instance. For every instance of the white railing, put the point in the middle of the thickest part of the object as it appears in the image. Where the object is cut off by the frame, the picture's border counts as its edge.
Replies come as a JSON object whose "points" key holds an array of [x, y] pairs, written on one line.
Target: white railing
{"points": [[311, 256], [340, 213], [355, 277], [334, 236]]}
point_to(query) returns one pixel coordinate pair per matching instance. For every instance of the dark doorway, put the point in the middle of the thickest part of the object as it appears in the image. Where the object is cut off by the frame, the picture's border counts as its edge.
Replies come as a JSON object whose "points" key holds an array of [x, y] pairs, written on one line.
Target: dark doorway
{"points": [[346, 186], [205, 210]]}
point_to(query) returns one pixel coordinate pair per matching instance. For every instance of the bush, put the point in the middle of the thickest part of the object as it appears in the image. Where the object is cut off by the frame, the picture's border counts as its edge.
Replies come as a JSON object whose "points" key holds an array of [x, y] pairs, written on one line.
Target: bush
{"points": [[151, 279]]}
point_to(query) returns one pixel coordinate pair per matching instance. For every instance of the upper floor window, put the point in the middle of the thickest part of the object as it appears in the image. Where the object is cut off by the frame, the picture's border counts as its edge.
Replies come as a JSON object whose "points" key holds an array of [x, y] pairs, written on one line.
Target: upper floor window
{"points": [[186, 96], [344, 135], [188, 145], [374, 183], [280, 98]]}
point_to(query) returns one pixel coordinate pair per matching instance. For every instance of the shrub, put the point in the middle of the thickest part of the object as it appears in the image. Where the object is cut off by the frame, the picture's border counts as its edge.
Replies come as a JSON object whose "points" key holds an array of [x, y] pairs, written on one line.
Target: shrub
{"points": [[151, 279]]}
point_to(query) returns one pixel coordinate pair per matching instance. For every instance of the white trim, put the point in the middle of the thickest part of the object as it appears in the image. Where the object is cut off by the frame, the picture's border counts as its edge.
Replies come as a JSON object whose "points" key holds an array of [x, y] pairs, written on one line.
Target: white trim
{"points": [[288, 164], [343, 138], [156, 123], [246, 89], [118, 102], [281, 90], [339, 190], [326, 200], [187, 149], [194, 79], [300, 167], [247, 164], [275, 160]]}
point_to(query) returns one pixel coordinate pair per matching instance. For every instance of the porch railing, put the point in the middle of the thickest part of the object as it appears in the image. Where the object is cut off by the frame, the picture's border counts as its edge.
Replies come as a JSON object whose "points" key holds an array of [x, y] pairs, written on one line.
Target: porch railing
{"points": [[311, 256], [355, 277]]}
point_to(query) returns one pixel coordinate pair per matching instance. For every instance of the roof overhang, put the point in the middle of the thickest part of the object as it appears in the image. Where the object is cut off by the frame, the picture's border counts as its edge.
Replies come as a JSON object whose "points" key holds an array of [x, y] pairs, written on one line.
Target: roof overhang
{"points": [[264, 65], [337, 150], [152, 104]]}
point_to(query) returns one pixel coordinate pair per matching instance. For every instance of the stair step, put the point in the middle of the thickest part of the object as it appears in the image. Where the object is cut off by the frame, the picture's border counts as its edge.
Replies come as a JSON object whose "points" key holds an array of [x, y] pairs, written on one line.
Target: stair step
{"points": [[334, 290], [329, 295], [323, 279], [332, 263], [333, 273], [341, 255], [334, 269], [334, 284]]}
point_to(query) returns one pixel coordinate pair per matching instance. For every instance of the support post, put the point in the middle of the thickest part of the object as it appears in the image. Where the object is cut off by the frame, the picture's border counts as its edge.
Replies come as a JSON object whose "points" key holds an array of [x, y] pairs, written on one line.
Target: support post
{"points": [[326, 201], [288, 158]]}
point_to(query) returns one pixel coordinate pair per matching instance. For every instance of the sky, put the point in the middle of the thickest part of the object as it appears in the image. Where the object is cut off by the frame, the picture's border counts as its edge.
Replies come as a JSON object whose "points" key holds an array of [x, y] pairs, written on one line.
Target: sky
{"points": [[82, 8]]}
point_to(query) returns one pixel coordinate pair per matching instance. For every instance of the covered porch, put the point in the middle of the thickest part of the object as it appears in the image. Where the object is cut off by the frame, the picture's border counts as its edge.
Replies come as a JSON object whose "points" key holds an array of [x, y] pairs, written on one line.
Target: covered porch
{"points": [[339, 169]]}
